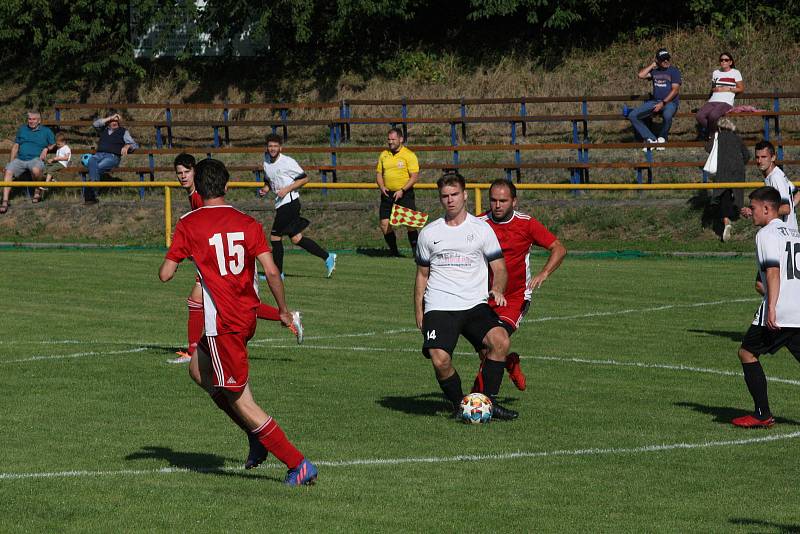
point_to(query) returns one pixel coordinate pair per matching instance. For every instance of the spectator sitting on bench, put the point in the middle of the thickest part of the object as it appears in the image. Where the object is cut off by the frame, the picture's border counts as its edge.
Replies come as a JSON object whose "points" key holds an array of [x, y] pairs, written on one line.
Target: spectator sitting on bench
{"points": [[27, 153], [55, 164], [664, 99], [115, 142]]}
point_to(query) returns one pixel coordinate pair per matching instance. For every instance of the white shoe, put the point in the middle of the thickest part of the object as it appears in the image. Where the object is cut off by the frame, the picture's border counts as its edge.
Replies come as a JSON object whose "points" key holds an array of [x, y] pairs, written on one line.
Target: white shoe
{"points": [[297, 327], [650, 142], [182, 358], [660, 140], [726, 233]]}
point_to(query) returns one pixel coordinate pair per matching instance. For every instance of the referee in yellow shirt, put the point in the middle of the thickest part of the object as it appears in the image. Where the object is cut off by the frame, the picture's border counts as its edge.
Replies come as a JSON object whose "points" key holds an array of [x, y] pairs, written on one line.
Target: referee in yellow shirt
{"points": [[397, 172]]}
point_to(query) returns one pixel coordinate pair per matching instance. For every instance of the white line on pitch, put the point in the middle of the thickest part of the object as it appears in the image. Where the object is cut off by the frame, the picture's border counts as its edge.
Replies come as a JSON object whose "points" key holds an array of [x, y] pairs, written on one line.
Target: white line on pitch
{"points": [[76, 355], [424, 460]]}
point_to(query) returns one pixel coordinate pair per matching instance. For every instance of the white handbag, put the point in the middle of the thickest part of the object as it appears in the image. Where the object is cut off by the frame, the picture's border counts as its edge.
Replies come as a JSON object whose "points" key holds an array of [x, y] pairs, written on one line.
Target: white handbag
{"points": [[711, 163]]}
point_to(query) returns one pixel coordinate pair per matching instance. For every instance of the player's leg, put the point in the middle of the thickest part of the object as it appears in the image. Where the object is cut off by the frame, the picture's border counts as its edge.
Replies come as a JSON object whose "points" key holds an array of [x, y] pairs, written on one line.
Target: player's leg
{"points": [[195, 323], [511, 316], [440, 332], [276, 243], [756, 341], [384, 211], [311, 246]]}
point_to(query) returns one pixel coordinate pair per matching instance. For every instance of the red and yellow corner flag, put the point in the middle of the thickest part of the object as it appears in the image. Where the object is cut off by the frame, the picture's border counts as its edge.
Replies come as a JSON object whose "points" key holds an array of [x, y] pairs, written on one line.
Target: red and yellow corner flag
{"points": [[407, 217]]}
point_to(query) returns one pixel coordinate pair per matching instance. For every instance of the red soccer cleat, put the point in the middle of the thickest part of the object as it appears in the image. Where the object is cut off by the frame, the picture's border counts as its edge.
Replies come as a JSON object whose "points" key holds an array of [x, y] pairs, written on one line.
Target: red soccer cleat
{"points": [[515, 371], [750, 421]]}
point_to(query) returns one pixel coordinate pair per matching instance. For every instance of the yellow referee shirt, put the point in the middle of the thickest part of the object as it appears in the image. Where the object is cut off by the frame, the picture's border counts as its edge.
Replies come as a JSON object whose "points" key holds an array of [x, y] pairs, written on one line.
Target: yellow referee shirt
{"points": [[396, 168]]}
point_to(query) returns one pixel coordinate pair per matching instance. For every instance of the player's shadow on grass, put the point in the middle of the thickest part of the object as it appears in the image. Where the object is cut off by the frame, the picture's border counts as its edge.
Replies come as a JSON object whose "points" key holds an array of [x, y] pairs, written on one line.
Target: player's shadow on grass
{"points": [[733, 336], [198, 462], [375, 252], [783, 528], [430, 404], [724, 414]]}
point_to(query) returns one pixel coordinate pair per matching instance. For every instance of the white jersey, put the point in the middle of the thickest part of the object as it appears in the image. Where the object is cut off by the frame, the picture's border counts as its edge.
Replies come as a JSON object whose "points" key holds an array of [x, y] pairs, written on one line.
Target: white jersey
{"points": [[279, 174], [458, 258], [777, 245], [779, 181]]}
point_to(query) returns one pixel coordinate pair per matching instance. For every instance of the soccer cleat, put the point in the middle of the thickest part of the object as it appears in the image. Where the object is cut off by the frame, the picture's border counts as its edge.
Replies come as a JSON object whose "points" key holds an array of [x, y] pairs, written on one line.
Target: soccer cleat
{"points": [[330, 265], [304, 474], [183, 357], [503, 414], [297, 327], [751, 421], [257, 453], [726, 233], [515, 371]]}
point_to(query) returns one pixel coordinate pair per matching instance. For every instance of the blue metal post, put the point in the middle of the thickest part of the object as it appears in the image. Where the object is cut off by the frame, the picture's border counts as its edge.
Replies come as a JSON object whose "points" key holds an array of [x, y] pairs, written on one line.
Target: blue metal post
{"points": [[453, 136], [225, 117], [159, 141], [168, 115], [216, 137], [141, 189]]}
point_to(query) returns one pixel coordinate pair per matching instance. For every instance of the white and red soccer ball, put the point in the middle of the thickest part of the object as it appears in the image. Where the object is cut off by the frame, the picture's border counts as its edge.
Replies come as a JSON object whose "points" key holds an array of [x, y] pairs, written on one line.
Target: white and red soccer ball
{"points": [[476, 408]]}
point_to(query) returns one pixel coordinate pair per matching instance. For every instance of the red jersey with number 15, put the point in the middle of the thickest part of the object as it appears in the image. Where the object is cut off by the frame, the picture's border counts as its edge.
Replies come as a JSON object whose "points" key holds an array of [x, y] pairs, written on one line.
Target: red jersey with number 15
{"points": [[223, 242], [516, 235]]}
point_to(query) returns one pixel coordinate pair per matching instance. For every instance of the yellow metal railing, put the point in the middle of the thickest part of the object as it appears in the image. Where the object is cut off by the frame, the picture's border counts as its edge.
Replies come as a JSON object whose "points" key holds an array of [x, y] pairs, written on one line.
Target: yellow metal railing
{"points": [[473, 187]]}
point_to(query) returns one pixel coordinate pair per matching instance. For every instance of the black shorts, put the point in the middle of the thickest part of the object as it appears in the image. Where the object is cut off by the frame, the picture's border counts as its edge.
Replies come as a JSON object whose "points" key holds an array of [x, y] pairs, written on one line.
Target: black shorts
{"points": [[288, 221], [760, 339], [440, 329], [407, 201]]}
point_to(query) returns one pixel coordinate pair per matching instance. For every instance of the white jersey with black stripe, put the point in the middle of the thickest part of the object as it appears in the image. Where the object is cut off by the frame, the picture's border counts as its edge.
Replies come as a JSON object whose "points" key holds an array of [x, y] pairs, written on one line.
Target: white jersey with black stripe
{"points": [[786, 188], [281, 173], [777, 245], [458, 257]]}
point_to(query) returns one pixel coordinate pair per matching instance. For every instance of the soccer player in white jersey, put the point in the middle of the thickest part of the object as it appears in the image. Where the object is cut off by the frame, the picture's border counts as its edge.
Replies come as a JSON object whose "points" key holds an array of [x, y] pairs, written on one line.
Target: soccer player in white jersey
{"points": [[284, 177], [777, 320], [775, 177], [451, 293]]}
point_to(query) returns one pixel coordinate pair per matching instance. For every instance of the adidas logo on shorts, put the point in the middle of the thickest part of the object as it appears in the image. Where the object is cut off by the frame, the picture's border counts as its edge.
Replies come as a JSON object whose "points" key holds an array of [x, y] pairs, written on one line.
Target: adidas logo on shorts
{"points": [[231, 380]]}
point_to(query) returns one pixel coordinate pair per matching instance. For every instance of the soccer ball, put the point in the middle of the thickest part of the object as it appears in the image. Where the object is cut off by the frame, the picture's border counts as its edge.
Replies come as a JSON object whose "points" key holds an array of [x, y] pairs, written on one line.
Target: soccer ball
{"points": [[85, 160], [476, 408]]}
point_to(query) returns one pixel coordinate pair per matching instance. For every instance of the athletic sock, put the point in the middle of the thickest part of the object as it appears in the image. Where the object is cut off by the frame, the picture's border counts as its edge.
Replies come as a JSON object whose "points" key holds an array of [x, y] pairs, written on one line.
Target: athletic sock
{"points": [[412, 240], [311, 246], [268, 313], [492, 374], [451, 387], [219, 398], [274, 440], [756, 382], [196, 323], [277, 253], [391, 240]]}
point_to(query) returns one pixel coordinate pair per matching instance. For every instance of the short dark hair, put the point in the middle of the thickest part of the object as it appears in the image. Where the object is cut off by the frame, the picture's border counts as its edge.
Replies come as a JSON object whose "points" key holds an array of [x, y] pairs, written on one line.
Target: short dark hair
{"points": [[274, 138], [61, 136], [185, 160], [761, 145], [502, 182], [451, 178], [210, 178], [726, 54], [767, 194], [398, 131]]}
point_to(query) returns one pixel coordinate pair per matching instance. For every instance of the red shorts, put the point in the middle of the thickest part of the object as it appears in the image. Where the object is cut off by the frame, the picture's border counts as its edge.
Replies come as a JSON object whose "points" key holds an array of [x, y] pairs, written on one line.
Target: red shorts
{"points": [[228, 354], [513, 312]]}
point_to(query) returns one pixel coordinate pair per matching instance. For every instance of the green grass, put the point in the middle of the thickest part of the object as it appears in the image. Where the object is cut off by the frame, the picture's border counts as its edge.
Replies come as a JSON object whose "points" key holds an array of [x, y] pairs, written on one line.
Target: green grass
{"points": [[87, 389]]}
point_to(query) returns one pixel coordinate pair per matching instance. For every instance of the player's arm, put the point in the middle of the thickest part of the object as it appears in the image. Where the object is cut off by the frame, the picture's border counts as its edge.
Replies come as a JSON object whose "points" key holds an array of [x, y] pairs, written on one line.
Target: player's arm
{"points": [[773, 290], [796, 196], [499, 280], [275, 285], [297, 183], [785, 208], [408, 186], [423, 272], [381, 184], [557, 253], [167, 270]]}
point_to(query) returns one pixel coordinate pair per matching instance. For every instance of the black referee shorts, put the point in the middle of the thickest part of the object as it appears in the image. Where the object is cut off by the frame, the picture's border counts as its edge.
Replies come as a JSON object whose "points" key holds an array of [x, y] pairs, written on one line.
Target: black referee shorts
{"points": [[440, 329], [288, 220], [407, 201], [760, 340]]}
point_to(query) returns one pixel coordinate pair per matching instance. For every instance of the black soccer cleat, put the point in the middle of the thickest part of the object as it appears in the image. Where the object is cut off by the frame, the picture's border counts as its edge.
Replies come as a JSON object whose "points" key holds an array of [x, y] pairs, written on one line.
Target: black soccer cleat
{"points": [[503, 414], [257, 453]]}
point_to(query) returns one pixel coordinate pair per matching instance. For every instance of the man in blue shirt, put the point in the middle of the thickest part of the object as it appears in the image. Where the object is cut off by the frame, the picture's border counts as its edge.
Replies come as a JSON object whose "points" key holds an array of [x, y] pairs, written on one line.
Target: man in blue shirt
{"points": [[666, 85], [28, 152]]}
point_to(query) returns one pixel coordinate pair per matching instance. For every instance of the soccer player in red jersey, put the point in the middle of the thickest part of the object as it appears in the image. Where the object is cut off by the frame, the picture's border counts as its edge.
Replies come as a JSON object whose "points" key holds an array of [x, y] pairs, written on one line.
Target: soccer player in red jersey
{"points": [[225, 244], [516, 233], [184, 165]]}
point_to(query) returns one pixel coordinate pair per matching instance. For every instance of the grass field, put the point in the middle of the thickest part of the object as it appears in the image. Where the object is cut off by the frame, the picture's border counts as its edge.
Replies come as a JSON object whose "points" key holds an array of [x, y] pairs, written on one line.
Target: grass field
{"points": [[624, 427]]}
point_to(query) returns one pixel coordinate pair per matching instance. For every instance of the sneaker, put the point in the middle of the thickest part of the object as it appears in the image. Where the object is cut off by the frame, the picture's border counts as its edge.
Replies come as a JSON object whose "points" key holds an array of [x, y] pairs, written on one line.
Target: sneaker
{"points": [[304, 474], [649, 142], [726, 233], [751, 421], [257, 453], [183, 357], [297, 327], [503, 414], [515, 371], [330, 265], [661, 140]]}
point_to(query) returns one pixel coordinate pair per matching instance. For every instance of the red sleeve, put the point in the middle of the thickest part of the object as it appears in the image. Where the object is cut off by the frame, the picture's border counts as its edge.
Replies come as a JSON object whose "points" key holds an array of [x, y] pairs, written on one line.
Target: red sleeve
{"points": [[257, 240], [179, 250], [540, 235]]}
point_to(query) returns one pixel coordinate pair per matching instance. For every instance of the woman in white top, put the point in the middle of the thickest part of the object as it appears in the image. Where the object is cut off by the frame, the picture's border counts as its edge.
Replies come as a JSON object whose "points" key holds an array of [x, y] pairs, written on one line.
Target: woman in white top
{"points": [[726, 82]]}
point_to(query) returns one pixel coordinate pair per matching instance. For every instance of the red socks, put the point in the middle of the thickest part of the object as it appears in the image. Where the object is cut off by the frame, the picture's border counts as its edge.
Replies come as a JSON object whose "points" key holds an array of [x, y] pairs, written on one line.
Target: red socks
{"points": [[268, 313], [274, 440], [196, 323]]}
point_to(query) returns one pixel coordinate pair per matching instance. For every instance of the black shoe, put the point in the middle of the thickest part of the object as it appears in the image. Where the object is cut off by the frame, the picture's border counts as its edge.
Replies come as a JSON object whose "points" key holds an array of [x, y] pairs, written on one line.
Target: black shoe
{"points": [[257, 453], [503, 414]]}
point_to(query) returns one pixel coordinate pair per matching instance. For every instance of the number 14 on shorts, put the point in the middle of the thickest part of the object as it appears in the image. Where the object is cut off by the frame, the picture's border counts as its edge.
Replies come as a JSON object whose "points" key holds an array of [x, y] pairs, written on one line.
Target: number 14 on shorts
{"points": [[431, 334]]}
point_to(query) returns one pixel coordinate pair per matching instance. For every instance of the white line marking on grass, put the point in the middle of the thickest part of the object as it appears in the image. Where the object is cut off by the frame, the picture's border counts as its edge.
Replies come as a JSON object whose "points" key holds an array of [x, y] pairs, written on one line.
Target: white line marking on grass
{"points": [[502, 456], [75, 355], [639, 310]]}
